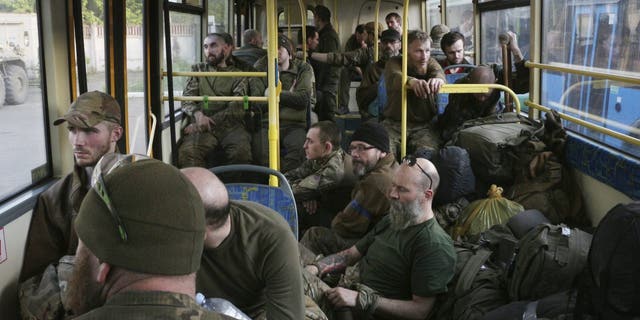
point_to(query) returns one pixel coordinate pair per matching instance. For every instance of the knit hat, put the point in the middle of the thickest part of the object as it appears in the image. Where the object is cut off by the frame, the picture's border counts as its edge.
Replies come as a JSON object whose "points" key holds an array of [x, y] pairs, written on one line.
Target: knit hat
{"points": [[160, 211], [284, 42], [390, 35], [90, 109], [374, 134]]}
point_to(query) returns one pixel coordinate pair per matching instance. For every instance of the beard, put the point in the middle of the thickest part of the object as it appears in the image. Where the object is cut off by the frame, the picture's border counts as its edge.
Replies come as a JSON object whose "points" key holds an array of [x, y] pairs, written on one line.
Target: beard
{"points": [[360, 168], [84, 293], [404, 215], [215, 59]]}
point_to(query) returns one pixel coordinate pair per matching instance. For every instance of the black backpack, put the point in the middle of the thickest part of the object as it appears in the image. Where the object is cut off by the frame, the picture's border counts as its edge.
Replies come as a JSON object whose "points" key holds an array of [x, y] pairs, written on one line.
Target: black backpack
{"points": [[614, 268]]}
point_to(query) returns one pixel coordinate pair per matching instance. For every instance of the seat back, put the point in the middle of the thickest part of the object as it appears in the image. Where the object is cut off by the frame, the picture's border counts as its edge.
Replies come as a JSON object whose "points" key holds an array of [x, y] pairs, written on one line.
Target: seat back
{"points": [[279, 198], [443, 98]]}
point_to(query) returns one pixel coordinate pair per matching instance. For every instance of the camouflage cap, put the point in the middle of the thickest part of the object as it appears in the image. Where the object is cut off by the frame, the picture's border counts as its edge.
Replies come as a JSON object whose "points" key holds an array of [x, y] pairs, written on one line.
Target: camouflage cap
{"points": [[160, 210], [438, 31], [90, 109]]}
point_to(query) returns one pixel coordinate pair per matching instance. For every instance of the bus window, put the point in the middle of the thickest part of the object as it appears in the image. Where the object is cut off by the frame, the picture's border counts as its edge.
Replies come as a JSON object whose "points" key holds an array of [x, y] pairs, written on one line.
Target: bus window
{"points": [[94, 44], [433, 13], [135, 79], [460, 18], [595, 36], [186, 48], [497, 22], [23, 151], [218, 16]]}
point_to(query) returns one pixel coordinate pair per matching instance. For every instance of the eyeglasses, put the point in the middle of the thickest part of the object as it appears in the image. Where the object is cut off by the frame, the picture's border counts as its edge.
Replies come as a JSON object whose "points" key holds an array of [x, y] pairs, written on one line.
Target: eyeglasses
{"points": [[359, 148], [106, 165], [412, 160]]}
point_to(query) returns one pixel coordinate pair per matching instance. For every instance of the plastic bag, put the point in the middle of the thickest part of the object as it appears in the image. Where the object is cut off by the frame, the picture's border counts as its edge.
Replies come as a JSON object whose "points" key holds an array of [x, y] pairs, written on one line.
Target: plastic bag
{"points": [[481, 214]]}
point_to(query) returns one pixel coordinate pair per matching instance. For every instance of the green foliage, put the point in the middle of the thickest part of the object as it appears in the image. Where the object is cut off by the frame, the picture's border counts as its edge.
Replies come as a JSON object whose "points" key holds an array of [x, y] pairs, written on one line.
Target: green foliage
{"points": [[92, 12], [18, 6], [134, 13]]}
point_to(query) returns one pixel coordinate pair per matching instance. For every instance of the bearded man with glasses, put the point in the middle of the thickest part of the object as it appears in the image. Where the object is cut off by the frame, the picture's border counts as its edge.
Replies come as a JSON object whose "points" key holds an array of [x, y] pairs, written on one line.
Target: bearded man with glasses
{"points": [[401, 265], [374, 166]]}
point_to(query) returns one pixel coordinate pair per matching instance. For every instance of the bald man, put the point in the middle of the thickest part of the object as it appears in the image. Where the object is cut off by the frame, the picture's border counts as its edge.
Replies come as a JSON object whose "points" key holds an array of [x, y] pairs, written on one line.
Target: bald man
{"points": [[467, 106], [247, 256], [404, 262]]}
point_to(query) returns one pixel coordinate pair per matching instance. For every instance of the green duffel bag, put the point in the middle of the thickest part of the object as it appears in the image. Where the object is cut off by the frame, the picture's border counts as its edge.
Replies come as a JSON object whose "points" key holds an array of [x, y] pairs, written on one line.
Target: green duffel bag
{"points": [[490, 142]]}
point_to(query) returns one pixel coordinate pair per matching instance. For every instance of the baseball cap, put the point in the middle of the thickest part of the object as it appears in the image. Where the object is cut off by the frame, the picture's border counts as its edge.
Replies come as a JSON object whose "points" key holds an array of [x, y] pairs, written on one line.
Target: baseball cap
{"points": [[90, 109], [144, 216]]}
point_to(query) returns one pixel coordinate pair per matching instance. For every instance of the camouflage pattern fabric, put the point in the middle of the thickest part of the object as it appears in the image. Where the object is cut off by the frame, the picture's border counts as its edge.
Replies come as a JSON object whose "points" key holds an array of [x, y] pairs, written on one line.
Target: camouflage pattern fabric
{"points": [[194, 148], [44, 297], [325, 241], [419, 136]]}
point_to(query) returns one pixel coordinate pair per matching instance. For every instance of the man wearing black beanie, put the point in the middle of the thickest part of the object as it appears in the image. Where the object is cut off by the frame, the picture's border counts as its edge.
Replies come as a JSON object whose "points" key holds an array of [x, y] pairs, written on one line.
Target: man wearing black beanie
{"points": [[374, 166]]}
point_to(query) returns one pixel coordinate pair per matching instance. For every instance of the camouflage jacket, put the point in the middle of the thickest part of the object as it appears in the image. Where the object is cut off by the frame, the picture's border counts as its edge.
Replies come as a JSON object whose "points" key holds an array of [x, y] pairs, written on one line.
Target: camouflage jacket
{"points": [[51, 232], [369, 201], [44, 297], [361, 57], [228, 113], [249, 53], [151, 305], [419, 111], [316, 176], [298, 94], [368, 90]]}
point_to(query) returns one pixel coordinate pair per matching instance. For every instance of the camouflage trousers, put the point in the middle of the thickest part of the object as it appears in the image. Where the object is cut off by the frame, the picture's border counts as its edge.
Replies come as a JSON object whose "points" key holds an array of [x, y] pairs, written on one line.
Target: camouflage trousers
{"points": [[45, 296], [314, 287], [422, 136], [324, 241], [194, 148], [311, 311]]}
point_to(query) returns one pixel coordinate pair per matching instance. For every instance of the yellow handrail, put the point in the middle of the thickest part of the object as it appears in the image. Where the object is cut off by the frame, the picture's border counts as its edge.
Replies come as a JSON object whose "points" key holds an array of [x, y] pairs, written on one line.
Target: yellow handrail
{"points": [[479, 88], [216, 74], [376, 31], [585, 72], [216, 98], [586, 124], [405, 48]]}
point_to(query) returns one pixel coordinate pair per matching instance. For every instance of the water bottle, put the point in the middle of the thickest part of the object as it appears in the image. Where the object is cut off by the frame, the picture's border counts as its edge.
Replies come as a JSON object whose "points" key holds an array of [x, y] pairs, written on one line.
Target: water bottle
{"points": [[221, 306]]}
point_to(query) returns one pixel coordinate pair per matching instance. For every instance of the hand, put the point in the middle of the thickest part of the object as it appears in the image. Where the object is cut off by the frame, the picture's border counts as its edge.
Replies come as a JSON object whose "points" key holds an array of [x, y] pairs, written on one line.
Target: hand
{"points": [[341, 297], [203, 123], [434, 84], [299, 54], [311, 206], [422, 88], [313, 269]]}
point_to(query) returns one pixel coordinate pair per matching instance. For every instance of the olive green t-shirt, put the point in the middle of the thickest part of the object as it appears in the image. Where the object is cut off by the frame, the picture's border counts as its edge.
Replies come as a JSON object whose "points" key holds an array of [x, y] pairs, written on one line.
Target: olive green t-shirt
{"points": [[419, 260], [257, 266]]}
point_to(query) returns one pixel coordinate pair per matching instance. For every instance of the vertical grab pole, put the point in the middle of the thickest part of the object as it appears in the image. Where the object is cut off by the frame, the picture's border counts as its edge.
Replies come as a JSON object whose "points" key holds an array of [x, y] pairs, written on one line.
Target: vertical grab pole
{"points": [[172, 116], [272, 57], [376, 32], [303, 14], [405, 48]]}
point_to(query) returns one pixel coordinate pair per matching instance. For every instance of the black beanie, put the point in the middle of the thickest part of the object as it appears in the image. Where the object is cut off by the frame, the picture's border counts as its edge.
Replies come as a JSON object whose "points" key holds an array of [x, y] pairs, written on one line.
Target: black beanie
{"points": [[374, 134]]}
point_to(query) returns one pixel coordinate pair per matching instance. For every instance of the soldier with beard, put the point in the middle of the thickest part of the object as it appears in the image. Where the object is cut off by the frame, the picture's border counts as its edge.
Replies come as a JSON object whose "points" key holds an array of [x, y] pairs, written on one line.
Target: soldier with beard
{"points": [[374, 167], [217, 123], [93, 122], [467, 106], [141, 231], [403, 264], [367, 93]]}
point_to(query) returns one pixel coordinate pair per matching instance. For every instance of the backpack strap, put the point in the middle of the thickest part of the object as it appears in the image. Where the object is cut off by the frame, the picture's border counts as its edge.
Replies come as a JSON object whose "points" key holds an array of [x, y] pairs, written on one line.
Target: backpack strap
{"points": [[470, 270]]}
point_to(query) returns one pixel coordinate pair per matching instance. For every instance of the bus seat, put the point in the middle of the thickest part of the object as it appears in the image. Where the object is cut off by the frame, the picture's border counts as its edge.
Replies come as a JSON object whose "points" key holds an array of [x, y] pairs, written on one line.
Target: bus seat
{"points": [[278, 198], [443, 98]]}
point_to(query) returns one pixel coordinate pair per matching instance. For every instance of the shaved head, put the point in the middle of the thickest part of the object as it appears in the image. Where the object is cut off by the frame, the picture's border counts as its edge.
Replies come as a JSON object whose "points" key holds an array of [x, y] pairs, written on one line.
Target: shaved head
{"points": [[213, 193], [482, 75], [431, 170]]}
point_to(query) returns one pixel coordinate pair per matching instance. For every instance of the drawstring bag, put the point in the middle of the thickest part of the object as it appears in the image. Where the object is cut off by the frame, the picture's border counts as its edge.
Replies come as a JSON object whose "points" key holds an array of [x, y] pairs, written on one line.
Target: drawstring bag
{"points": [[481, 214]]}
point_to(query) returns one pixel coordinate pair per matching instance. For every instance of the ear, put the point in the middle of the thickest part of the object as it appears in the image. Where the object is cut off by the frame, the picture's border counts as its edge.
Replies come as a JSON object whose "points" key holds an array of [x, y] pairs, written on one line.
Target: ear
{"points": [[116, 134], [328, 146], [103, 272]]}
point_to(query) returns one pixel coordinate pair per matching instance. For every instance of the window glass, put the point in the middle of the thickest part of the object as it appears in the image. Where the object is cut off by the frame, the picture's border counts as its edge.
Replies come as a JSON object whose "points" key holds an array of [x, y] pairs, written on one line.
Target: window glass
{"points": [[186, 49], [23, 158], [94, 44], [593, 36], [135, 79], [433, 13], [218, 17], [497, 22], [460, 18]]}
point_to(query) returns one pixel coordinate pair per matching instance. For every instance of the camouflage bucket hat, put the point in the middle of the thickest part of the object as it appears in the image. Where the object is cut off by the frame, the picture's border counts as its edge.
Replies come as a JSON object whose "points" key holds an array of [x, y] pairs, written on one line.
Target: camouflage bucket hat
{"points": [[144, 216], [90, 109]]}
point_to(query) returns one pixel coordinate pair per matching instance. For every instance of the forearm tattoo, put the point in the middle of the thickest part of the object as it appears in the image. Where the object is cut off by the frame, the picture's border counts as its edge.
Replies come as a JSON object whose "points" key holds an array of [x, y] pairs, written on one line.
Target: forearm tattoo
{"points": [[333, 263]]}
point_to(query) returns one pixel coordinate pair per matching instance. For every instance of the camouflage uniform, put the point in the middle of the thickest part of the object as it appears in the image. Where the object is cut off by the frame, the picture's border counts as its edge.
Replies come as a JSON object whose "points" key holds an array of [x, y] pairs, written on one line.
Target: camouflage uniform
{"points": [[51, 232], [368, 205], [296, 100], [229, 129], [151, 305], [249, 53], [368, 90], [45, 296], [420, 112], [328, 181], [361, 57], [327, 77]]}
